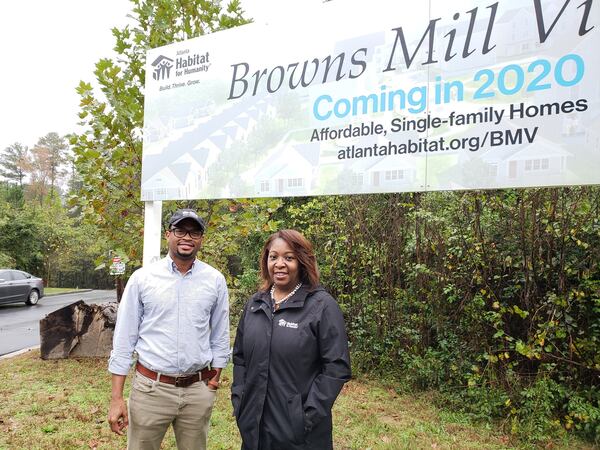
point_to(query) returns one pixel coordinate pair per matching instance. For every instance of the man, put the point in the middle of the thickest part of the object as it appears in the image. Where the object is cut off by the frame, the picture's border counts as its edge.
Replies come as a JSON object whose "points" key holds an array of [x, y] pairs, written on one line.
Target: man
{"points": [[174, 315]]}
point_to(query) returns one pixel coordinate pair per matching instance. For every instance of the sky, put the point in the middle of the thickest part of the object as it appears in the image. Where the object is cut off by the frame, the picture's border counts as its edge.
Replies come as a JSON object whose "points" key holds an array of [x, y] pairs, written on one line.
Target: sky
{"points": [[49, 46]]}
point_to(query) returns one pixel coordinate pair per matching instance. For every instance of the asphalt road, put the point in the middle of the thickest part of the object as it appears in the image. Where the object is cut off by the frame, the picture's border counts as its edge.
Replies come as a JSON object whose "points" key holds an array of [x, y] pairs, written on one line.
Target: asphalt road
{"points": [[20, 324]]}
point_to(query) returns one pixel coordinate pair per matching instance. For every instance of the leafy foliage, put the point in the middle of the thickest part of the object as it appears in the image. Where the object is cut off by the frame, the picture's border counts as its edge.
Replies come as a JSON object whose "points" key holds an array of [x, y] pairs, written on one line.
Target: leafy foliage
{"points": [[19, 238], [49, 157], [15, 162], [108, 154], [48, 242], [492, 297]]}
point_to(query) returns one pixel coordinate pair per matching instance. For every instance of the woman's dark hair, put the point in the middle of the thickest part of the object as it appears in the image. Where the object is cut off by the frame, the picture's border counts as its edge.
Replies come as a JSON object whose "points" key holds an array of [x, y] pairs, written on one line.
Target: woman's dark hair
{"points": [[307, 263]]}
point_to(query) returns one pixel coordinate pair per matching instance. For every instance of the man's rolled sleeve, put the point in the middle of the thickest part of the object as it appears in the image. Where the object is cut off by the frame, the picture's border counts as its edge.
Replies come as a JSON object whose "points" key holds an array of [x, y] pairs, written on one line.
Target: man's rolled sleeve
{"points": [[126, 329], [219, 327]]}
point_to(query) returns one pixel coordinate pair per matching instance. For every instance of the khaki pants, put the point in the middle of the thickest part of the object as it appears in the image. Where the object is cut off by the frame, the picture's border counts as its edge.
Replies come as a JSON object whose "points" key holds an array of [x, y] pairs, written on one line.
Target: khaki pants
{"points": [[153, 406]]}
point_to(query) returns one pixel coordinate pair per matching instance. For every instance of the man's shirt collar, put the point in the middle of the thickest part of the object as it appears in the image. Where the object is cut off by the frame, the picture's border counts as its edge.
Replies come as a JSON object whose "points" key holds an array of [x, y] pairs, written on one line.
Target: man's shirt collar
{"points": [[173, 267]]}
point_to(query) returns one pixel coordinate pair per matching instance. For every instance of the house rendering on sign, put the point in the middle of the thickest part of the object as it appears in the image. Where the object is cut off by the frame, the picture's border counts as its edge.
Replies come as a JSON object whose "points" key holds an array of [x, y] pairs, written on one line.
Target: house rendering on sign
{"points": [[291, 170], [182, 168]]}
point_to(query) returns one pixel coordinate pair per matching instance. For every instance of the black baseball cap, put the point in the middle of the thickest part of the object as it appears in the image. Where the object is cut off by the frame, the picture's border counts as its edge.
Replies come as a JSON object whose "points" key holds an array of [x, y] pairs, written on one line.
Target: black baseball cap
{"points": [[182, 214]]}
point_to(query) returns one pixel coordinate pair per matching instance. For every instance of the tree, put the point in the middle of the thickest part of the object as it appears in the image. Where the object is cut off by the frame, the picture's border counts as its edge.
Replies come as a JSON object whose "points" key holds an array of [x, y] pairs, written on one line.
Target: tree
{"points": [[49, 158], [6, 260], [19, 238], [108, 154], [38, 183], [15, 162], [12, 194]]}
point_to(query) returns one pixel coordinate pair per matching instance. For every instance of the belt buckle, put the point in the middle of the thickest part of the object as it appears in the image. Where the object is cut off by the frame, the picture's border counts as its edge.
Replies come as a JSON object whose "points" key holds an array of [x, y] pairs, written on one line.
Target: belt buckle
{"points": [[180, 381]]}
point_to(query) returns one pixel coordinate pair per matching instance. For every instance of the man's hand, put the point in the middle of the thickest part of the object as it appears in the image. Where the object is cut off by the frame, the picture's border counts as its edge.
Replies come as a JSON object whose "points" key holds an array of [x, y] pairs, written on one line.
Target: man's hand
{"points": [[117, 415], [213, 383]]}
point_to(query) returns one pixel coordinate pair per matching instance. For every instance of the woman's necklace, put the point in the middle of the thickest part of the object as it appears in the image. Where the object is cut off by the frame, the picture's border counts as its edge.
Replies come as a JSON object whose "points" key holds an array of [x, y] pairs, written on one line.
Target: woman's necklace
{"points": [[276, 303]]}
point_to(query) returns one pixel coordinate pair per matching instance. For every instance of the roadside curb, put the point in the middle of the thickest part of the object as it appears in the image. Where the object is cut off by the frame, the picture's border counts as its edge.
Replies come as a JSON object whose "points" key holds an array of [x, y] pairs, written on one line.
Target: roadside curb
{"points": [[18, 352], [68, 292]]}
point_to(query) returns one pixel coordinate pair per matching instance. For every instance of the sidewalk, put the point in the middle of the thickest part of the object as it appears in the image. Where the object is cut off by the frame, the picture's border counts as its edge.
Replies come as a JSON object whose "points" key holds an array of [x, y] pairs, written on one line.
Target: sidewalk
{"points": [[74, 291], [18, 352]]}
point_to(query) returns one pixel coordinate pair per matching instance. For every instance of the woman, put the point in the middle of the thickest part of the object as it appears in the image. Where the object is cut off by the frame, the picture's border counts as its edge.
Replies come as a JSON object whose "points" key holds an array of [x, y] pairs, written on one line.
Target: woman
{"points": [[290, 357]]}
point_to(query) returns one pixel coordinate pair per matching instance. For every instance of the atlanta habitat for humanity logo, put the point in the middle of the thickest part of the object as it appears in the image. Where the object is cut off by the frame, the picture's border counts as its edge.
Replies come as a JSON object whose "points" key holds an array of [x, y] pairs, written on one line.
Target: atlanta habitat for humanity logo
{"points": [[186, 63], [162, 68], [284, 323]]}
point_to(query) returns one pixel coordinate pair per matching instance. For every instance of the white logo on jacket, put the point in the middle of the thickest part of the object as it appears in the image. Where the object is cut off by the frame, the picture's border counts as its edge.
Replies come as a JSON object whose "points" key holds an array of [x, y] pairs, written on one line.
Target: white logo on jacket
{"points": [[286, 324]]}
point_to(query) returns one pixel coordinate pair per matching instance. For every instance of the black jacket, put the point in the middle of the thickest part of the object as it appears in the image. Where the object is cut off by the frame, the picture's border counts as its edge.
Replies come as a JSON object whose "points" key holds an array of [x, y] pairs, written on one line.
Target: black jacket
{"points": [[288, 369]]}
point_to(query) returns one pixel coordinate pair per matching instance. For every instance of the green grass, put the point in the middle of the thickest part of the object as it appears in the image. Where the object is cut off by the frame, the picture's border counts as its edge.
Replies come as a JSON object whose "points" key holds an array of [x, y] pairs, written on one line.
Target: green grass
{"points": [[51, 290], [63, 405]]}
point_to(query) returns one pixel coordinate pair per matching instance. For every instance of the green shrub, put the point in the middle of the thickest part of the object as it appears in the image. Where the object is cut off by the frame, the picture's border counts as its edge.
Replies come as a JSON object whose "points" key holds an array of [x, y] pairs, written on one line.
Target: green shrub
{"points": [[491, 297]]}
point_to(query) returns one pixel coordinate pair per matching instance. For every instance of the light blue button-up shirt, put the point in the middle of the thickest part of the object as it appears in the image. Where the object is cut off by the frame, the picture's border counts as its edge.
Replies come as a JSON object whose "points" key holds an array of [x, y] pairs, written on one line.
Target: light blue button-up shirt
{"points": [[176, 323]]}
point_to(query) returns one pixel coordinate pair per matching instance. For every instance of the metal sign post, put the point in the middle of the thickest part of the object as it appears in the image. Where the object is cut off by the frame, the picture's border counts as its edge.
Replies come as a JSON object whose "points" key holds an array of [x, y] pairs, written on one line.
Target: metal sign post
{"points": [[117, 268]]}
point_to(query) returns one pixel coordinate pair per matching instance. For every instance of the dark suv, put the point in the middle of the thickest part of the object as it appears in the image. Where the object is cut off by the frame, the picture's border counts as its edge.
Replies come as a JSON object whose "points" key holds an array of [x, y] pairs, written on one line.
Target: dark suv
{"points": [[18, 286]]}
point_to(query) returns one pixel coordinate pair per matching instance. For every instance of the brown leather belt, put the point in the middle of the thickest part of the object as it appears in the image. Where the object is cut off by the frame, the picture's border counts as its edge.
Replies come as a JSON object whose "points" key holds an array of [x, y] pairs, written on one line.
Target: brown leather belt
{"points": [[204, 374]]}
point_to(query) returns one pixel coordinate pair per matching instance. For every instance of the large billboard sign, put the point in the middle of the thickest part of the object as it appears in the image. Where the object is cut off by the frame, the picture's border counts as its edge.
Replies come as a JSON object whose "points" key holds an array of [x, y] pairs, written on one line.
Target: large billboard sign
{"points": [[379, 96]]}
